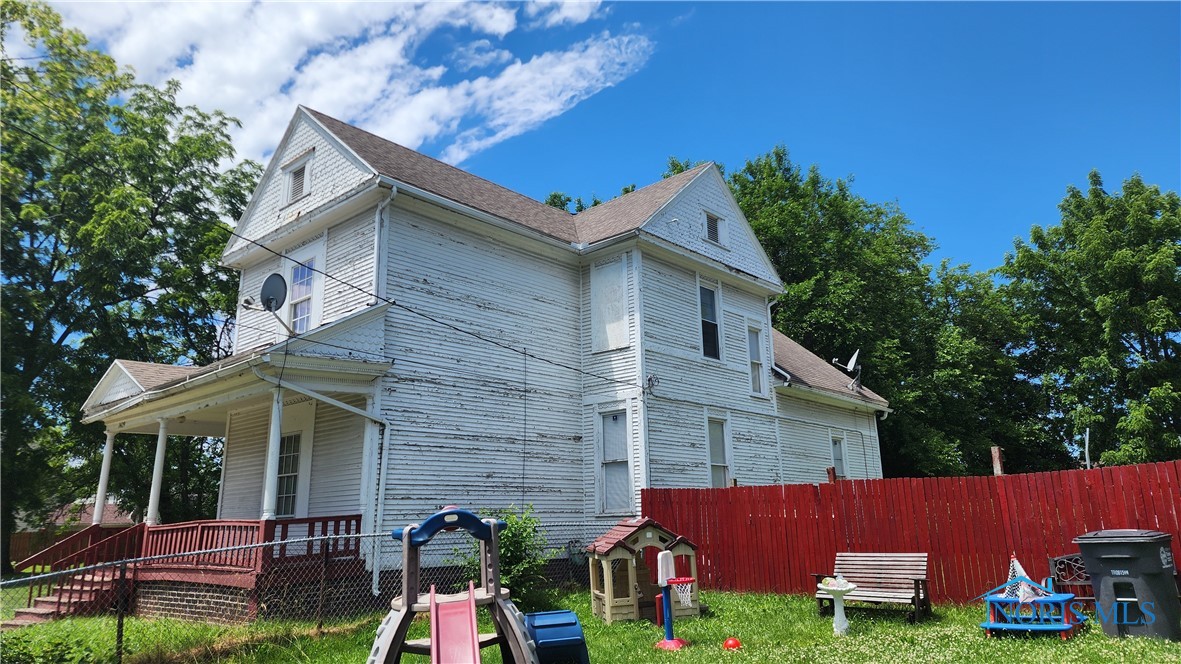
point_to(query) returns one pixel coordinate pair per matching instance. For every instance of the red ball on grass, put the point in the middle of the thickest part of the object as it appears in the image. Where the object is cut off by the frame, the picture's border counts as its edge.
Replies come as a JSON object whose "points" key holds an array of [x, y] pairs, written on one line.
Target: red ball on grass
{"points": [[732, 644]]}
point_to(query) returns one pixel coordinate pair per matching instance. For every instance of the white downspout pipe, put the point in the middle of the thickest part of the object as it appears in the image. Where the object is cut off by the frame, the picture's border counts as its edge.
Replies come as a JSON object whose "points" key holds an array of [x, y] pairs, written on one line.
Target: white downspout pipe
{"points": [[104, 478], [153, 516]]}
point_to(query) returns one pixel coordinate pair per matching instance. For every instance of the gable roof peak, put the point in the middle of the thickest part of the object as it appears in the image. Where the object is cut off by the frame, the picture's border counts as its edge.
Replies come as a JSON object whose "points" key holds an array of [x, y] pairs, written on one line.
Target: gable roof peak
{"points": [[419, 171], [630, 211]]}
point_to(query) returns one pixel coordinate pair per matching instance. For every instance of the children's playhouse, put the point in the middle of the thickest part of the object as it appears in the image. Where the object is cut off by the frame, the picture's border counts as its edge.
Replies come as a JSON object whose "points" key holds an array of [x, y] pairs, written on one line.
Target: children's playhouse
{"points": [[622, 587]]}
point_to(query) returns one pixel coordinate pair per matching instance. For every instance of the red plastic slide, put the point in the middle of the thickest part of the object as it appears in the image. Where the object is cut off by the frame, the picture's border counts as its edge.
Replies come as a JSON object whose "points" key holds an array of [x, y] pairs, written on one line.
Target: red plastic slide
{"points": [[455, 639]]}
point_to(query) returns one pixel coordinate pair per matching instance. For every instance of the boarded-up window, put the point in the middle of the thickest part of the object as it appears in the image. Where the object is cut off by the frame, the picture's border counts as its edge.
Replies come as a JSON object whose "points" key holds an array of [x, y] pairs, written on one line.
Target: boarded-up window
{"points": [[616, 478], [608, 293], [719, 467]]}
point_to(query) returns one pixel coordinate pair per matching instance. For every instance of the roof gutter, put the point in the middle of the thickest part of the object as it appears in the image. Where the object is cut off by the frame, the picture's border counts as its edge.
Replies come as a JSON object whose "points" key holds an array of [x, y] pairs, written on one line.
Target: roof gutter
{"points": [[480, 215], [836, 397]]}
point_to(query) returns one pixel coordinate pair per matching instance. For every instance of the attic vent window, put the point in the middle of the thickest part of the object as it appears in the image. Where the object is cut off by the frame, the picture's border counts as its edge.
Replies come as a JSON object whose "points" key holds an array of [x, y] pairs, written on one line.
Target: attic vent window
{"points": [[298, 175], [713, 228], [298, 180]]}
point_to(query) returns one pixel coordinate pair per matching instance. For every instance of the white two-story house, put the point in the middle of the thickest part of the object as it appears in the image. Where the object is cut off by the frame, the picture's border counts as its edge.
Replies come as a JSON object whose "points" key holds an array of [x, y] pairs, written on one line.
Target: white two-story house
{"points": [[443, 340]]}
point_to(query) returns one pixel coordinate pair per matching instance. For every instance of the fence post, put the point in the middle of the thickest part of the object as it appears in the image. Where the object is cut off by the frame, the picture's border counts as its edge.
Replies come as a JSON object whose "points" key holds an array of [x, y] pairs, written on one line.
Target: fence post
{"points": [[323, 585], [121, 602]]}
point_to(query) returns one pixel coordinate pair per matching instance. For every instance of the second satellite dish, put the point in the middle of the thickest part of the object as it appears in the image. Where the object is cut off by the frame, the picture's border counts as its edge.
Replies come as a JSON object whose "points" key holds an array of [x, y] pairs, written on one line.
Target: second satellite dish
{"points": [[274, 292]]}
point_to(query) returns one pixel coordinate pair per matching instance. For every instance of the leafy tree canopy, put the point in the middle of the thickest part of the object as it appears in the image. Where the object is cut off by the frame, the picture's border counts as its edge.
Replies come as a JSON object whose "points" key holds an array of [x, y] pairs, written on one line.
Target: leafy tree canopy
{"points": [[114, 200], [1100, 295]]}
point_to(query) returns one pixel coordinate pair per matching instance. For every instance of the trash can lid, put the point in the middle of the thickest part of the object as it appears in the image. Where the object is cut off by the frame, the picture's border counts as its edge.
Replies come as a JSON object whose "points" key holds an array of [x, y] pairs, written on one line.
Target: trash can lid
{"points": [[1122, 535]]}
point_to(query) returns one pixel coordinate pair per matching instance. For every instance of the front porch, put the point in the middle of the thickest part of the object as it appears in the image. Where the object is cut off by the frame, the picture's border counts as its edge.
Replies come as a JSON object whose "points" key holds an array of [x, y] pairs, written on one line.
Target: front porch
{"points": [[163, 569]]}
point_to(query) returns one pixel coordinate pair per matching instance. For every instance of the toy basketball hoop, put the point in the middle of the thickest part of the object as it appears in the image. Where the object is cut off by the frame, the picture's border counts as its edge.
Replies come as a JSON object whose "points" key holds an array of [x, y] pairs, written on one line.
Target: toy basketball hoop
{"points": [[684, 587]]}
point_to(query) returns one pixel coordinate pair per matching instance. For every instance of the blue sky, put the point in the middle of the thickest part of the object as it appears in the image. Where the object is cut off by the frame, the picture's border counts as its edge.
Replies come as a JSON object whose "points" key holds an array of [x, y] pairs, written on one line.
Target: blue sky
{"points": [[974, 117]]}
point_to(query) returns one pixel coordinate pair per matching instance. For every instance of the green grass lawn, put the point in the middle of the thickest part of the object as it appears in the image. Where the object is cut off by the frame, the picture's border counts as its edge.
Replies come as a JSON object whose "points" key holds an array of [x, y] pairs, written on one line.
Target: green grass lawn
{"points": [[773, 628]]}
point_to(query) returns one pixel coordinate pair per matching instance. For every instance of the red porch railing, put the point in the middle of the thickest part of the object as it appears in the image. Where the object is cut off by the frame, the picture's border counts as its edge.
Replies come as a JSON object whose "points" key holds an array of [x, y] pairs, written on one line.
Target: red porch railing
{"points": [[68, 546], [69, 590], [190, 536]]}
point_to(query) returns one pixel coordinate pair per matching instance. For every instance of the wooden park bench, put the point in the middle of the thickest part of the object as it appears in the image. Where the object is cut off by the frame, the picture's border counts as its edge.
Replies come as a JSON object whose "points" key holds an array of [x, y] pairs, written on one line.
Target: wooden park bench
{"points": [[882, 578]]}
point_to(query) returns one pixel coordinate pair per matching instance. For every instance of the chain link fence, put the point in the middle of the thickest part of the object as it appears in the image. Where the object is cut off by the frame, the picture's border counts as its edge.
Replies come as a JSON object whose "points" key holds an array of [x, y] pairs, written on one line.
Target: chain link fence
{"points": [[201, 605]]}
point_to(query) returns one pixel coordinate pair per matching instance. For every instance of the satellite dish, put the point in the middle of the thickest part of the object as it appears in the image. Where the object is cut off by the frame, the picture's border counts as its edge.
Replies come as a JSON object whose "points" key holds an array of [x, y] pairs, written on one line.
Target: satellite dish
{"points": [[274, 292], [852, 360]]}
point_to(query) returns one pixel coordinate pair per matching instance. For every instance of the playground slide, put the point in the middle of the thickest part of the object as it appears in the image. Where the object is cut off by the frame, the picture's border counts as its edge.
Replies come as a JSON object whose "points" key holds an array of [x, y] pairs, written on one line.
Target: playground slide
{"points": [[455, 639]]}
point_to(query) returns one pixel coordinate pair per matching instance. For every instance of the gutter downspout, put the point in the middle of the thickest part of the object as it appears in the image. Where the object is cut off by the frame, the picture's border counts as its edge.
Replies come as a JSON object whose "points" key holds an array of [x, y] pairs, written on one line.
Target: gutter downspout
{"points": [[380, 238]]}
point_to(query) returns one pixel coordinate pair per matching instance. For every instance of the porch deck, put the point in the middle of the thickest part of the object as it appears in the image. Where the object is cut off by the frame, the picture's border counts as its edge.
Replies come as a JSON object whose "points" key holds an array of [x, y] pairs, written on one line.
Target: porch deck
{"points": [[242, 554]]}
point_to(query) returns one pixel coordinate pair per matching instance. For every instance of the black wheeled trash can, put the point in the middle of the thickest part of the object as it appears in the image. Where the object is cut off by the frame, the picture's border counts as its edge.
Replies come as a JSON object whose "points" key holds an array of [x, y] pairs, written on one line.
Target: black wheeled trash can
{"points": [[1133, 575]]}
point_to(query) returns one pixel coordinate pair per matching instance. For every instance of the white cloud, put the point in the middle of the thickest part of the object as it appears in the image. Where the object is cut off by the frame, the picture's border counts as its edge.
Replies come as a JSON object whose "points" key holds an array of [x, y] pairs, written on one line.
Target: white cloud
{"points": [[479, 54], [551, 13], [361, 62]]}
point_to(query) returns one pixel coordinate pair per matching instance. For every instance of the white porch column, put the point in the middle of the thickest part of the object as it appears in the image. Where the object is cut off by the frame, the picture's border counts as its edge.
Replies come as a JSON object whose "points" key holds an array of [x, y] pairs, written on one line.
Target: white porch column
{"points": [[153, 517], [104, 477], [270, 497]]}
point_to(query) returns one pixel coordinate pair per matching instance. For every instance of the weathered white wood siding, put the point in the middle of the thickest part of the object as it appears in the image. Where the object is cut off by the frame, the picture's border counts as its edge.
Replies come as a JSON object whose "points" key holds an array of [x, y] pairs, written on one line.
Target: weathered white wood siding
{"points": [[349, 257], [336, 459], [244, 462], [332, 173], [805, 435], [475, 424], [682, 222], [693, 388]]}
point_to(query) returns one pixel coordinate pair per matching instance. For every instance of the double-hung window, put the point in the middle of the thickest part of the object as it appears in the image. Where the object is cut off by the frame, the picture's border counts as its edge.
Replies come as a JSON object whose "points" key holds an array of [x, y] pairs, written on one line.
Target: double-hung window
{"points": [[838, 454], [754, 343], [303, 277], [288, 485], [710, 337], [616, 477], [719, 465]]}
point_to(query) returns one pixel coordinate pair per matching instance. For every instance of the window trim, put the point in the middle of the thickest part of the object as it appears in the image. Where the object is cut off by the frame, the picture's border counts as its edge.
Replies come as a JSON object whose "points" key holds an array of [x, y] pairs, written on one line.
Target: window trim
{"points": [[726, 451], [763, 374], [303, 161], [601, 462], [314, 250], [723, 234], [300, 419], [833, 436], [716, 288]]}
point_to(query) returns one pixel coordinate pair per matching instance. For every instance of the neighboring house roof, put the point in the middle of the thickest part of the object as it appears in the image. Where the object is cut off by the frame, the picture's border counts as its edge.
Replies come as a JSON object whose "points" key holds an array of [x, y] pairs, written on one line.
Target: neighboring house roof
{"points": [[418, 170], [808, 370], [83, 513], [630, 211]]}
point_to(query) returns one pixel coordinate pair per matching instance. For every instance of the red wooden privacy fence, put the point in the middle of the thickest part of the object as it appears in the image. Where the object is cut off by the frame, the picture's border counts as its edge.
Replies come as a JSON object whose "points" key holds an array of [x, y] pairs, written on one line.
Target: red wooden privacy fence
{"points": [[771, 538]]}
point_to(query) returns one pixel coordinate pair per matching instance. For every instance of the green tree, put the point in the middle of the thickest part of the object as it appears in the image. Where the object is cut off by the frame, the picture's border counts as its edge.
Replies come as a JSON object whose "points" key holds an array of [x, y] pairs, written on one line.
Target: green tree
{"points": [[1100, 295], [113, 200]]}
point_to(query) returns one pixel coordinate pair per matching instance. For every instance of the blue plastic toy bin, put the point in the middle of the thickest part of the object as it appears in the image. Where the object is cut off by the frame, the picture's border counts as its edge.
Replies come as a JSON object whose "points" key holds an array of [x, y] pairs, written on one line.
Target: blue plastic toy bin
{"points": [[558, 636]]}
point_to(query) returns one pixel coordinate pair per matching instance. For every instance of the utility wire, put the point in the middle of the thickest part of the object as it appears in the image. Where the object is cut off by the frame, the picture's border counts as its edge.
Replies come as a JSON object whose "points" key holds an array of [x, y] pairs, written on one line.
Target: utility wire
{"points": [[348, 284]]}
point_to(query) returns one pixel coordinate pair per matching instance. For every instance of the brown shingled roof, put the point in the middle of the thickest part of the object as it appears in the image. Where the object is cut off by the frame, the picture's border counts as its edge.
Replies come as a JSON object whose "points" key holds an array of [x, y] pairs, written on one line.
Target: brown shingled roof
{"points": [[418, 170], [150, 374], [630, 211], [618, 534], [808, 370]]}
